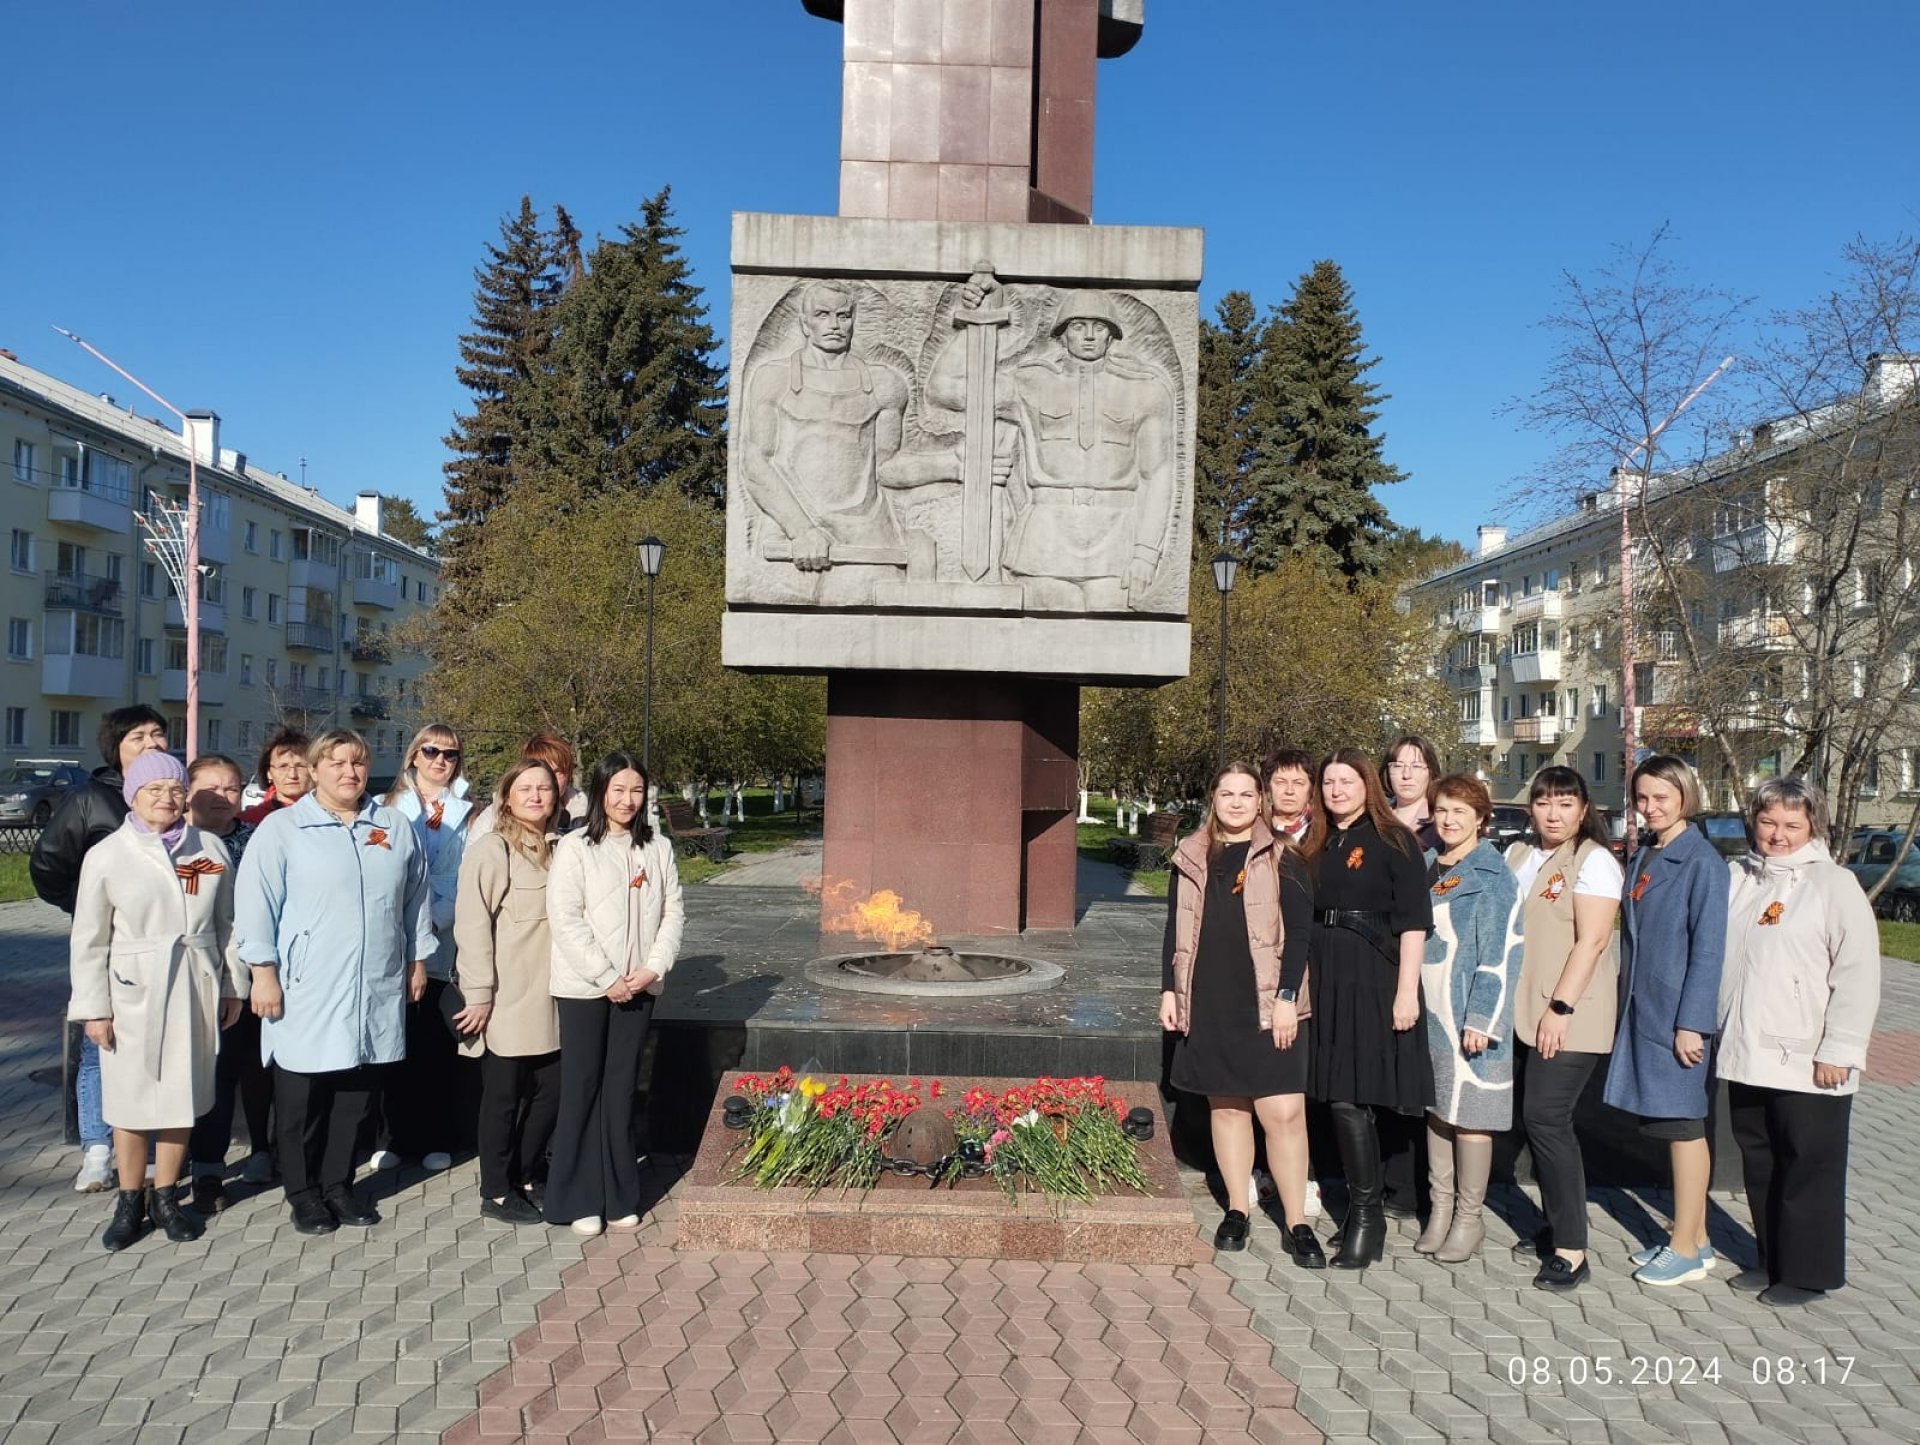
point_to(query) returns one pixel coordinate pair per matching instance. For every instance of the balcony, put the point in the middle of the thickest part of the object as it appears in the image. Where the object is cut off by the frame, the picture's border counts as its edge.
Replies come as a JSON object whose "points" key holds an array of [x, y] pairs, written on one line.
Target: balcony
{"points": [[74, 674], [102, 508], [213, 615], [216, 543], [1535, 666], [383, 593], [367, 705], [1479, 675], [1536, 730], [83, 592], [309, 637], [1478, 620], [1479, 733], [1540, 607], [173, 686], [310, 700], [371, 648], [313, 575], [1766, 631], [1756, 546]]}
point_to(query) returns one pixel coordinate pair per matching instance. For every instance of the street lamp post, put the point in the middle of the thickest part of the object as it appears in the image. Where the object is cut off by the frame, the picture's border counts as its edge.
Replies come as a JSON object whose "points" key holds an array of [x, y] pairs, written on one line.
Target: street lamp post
{"points": [[652, 552], [1225, 565], [190, 593]]}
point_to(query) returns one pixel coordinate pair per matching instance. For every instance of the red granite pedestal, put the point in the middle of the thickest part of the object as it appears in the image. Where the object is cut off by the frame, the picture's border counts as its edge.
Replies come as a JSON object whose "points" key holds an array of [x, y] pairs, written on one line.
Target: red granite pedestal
{"points": [[958, 793]]}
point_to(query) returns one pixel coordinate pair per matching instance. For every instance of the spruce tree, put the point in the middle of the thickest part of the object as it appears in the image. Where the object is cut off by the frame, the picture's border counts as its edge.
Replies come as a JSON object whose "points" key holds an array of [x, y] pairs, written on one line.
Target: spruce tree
{"points": [[1319, 458], [630, 397], [1225, 441], [514, 291]]}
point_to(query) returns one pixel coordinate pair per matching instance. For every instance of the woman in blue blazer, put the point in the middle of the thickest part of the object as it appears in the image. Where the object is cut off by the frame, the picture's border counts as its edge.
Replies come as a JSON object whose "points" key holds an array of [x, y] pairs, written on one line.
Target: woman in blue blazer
{"points": [[1673, 935]]}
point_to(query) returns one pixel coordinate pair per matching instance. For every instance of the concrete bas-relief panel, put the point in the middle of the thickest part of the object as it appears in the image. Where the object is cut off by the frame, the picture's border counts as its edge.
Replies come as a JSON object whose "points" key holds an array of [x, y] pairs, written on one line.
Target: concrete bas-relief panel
{"points": [[919, 444]]}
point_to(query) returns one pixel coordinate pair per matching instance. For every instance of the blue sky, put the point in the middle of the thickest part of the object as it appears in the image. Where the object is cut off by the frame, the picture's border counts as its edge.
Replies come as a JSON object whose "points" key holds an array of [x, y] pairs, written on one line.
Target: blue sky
{"points": [[275, 210]]}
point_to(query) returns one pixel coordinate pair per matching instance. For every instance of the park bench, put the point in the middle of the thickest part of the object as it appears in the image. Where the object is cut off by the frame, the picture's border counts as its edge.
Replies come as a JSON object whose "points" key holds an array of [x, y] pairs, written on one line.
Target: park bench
{"points": [[690, 835], [1159, 832]]}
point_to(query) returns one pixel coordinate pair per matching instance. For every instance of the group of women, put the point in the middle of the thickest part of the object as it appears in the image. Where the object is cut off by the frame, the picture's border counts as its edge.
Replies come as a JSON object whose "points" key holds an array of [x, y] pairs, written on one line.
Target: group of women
{"points": [[1343, 932], [371, 943]]}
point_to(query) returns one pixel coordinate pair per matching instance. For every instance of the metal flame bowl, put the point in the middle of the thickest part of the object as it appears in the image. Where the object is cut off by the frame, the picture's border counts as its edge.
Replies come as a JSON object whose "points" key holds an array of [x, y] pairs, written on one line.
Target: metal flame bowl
{"points": [[935, 972]]}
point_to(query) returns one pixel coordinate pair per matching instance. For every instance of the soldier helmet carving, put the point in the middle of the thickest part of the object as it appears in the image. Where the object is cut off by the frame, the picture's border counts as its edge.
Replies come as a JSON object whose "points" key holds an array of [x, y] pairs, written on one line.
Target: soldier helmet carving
{"points": [[1088, 306]]}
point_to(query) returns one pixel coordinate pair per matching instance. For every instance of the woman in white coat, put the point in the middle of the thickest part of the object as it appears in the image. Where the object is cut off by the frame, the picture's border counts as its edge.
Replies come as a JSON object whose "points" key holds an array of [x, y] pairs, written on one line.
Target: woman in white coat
{"points": [[154, 980], [613, 905]]}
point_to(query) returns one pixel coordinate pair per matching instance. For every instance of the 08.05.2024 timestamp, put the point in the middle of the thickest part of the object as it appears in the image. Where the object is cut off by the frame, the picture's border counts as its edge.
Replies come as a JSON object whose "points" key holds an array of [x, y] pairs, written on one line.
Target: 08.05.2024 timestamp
{"points": [[1676, 1370]]}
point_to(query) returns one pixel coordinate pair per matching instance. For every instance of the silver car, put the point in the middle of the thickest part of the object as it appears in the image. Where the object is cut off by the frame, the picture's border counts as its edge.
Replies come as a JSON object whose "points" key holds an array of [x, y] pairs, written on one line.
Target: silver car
{"points": [[33, 787]]}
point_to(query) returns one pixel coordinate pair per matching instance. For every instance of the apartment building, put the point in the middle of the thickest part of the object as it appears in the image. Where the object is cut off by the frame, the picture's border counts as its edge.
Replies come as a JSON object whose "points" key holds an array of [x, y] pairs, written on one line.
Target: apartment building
{"points": [[300, 599], [1745, 626]]}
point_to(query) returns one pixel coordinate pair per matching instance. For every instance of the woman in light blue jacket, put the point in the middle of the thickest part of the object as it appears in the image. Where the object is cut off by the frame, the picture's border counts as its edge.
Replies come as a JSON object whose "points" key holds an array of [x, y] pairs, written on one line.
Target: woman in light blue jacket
{"points": [[434, 1100], [331, 917]]}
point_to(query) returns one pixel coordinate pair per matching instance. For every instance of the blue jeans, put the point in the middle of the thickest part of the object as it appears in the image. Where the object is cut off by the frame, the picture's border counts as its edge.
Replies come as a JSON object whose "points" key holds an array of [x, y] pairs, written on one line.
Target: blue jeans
{"points": [[93, 1127]]}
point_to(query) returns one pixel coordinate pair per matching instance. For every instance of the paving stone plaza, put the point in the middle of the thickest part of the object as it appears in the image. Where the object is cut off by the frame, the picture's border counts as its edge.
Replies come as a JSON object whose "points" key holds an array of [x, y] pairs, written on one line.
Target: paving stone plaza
{"points": [[435, 1324]]}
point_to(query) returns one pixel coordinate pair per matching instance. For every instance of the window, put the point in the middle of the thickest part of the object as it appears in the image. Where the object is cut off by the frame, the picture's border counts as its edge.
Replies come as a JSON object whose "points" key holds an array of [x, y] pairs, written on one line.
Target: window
{"points": [[150, 579], [273, 672], [249, 606], [276, 545], [1506, 709], [1599, 767], [23, 461], [177, 733], [213, 734], [246, 669], [1526, 639], [273, 609], [1469, 707], [1553, 579], [245, 739], [16, 727], [64, 731], [251, 537], [216, 511], [143, 656], [20, 639], [96, 636], [20, 551], [1599, 699]]}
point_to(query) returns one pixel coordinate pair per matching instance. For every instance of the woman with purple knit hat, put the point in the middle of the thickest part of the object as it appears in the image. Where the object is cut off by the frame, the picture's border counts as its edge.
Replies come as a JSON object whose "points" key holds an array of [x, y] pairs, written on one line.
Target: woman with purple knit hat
{"points": [[155, 979]]}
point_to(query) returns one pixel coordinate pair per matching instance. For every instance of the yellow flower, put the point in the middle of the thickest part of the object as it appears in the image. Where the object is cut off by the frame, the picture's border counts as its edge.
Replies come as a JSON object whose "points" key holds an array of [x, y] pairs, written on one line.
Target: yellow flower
{"points": [[811, 1088]]}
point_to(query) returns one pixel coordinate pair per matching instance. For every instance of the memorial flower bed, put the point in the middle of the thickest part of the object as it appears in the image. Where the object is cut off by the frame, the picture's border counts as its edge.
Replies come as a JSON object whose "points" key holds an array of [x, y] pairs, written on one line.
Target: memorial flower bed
{"points": [[1060, 1137]]}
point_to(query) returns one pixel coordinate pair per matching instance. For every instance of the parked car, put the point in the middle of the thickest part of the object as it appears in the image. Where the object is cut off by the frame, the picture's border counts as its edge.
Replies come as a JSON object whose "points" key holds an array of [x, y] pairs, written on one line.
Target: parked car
{"points": [[32, 788], [1615, 823], [1508, 823], [1873, 853], [1727, 832], [1902, 905]]}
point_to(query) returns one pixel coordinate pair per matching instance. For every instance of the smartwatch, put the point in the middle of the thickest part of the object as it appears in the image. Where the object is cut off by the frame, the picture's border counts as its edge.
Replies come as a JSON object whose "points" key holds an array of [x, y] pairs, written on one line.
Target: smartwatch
{"points": [[1561, 1007], [1289, 995]]}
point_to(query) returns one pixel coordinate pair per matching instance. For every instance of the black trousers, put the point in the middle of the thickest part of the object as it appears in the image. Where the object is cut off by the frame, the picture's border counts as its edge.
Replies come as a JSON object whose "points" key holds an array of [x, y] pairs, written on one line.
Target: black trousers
{"points": [[238, 1074], [1403, 1141], [1550, 1090], [319, 1117], [595, 1170], [519, 1102], [419, 1103], [1793, 1151]]}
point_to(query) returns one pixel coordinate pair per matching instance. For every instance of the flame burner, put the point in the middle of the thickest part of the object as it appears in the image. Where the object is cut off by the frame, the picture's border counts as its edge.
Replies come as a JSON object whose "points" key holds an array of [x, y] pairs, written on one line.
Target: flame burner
{"points": [[936, 972]]}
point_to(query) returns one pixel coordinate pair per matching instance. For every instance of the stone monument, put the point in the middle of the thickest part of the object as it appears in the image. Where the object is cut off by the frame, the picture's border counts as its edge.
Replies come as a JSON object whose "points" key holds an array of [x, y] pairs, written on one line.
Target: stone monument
{"points": [[961, 450]]}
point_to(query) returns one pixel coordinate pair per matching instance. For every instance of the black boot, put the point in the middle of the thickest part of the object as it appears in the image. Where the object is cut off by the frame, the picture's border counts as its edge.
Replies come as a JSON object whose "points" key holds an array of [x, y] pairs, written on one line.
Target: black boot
{"points": [[1364, 1237], [129, 1219], [180, 1226]]}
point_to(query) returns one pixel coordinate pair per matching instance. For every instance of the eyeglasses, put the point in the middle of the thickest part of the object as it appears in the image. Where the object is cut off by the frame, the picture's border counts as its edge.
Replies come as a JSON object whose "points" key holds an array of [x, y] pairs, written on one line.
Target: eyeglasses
{"points": [[428, 750]]}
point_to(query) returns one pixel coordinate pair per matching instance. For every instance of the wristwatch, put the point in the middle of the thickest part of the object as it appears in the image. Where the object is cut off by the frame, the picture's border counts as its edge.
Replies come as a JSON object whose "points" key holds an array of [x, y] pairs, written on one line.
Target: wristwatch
{"points": [[1561, 1007], [1289, 995]]}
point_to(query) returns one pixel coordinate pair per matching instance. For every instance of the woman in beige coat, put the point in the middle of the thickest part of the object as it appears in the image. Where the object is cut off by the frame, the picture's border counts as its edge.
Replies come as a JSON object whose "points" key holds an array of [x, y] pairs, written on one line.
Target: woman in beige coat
{"points": [[500, 928], [154, 980]]}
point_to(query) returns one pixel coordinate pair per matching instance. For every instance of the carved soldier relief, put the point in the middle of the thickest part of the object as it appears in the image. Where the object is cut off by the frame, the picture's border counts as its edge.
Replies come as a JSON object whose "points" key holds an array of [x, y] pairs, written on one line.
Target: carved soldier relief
{"points": [[960, 445]]}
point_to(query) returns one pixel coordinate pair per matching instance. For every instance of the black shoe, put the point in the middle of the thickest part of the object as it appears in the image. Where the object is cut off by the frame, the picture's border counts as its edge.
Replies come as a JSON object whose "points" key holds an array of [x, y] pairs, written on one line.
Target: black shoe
{"points": [[1231, 1236], [1750, 1281], [1399, 1209], [310, 1216], [536, 1194], [129, 1219], [1301, 1243], [514, 1209], [180, 1226], [1538, 1247], [209, 1194], [1790, 1296], [343, 1206], [1557, 1274]]}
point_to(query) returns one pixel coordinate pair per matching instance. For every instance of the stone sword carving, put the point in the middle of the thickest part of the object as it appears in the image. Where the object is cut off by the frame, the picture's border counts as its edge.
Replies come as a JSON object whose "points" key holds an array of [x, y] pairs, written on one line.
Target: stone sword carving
{"points": [[983, 325]]}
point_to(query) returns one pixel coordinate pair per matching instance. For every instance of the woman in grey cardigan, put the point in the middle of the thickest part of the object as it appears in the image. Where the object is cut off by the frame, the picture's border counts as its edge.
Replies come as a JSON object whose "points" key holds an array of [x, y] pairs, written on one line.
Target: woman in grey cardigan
{"points": [[1473, 957], [1797, 1002]]}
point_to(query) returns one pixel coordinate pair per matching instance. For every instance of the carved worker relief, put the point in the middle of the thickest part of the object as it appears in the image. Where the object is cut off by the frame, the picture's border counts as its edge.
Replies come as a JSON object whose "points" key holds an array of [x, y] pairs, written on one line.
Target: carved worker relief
{"points": [[962, 445]]}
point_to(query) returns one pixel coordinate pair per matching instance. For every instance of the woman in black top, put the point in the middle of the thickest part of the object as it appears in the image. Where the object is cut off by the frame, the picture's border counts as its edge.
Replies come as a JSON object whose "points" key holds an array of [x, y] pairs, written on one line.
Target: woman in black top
{"points": [[1368, 1036], [1234, 965]]}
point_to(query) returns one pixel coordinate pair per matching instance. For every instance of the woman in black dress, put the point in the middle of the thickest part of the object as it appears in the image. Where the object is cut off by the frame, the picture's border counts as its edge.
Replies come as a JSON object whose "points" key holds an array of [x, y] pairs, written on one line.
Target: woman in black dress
{"points": [[1368, 1031], [1234, 967]]}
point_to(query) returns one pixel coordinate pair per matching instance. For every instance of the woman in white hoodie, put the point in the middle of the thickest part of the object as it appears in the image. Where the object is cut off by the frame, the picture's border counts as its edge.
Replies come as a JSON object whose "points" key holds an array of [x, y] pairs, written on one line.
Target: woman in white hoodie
{"points": [[1798, 995], [613, 906]]}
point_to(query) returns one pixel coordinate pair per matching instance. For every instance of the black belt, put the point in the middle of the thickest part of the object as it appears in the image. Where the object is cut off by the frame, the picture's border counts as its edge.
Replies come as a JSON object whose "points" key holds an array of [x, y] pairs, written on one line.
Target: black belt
{"points": [[1374, 927]]}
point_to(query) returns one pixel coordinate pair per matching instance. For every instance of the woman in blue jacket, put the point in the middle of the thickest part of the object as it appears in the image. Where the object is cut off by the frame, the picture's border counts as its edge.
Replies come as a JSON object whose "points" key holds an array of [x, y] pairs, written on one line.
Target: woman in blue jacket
{"points": [[331, 914], [1673, 936]]}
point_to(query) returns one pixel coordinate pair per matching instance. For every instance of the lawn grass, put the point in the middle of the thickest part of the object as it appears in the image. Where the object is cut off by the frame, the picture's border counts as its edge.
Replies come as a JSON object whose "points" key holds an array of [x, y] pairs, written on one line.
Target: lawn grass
{"points": [[1092, 843], [14, 882], [1900, 940]]}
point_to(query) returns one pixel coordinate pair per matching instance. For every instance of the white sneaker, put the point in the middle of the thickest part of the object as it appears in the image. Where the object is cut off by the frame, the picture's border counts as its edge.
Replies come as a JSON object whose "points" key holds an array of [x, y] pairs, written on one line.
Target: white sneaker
{"points": [[1313, 1200], [587, 1228], [96, 1170], [437, 1161], [384, 1159], [625, 1221], [258, 1169]]}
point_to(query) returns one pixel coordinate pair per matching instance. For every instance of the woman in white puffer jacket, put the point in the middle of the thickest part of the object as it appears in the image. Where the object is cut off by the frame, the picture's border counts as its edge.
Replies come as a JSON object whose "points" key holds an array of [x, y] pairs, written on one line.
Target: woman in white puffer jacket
{"points": [[614, 910], [1798, 995]]}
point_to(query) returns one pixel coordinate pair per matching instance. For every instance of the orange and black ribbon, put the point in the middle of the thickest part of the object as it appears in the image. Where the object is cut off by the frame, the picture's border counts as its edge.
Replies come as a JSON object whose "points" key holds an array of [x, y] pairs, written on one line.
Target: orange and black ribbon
{"points": [[639, 879], [1446, 886], [190, 874], [377, 838], [1772, 914], [1353, 858], [1640, 887], [439, 812]]}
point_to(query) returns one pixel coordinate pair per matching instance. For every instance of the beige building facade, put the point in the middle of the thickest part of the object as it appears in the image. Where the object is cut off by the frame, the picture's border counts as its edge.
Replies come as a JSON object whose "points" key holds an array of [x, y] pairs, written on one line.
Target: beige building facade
{"points": [[301, 600]]}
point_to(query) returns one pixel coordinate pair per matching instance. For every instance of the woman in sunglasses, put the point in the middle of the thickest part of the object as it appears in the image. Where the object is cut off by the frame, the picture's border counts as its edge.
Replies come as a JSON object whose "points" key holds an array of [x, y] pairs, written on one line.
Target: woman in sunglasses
{"points": [[424, 1122]]}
